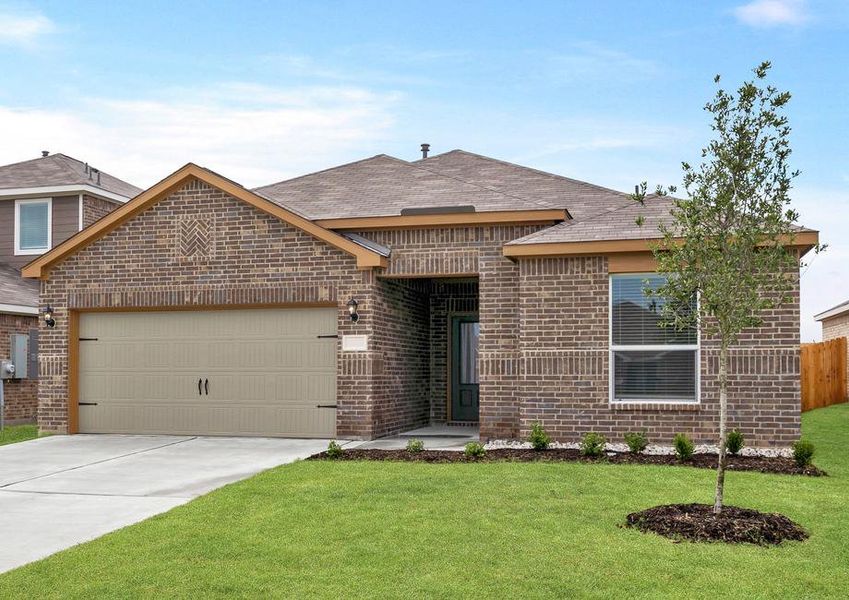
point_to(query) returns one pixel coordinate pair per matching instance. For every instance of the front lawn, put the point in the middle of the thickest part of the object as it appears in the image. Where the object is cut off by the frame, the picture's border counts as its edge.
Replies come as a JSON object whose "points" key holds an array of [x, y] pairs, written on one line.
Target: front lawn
{"points": [[368, 529], [18, 433]]}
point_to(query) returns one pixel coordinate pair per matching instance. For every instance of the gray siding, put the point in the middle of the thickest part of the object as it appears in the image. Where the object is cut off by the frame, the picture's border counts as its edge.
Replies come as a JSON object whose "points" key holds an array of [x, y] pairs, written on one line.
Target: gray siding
{"points": [[66, 222], [66, 218]]}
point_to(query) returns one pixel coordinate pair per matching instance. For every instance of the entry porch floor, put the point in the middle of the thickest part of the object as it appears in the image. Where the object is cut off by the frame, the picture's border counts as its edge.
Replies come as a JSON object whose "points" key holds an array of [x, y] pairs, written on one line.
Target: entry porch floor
{"points": [[435, 437]]}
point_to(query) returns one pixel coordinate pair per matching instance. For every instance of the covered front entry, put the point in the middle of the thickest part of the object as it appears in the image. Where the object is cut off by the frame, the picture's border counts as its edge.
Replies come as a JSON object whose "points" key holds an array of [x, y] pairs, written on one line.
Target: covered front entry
{"points": [[266, 372], [428, 331]]}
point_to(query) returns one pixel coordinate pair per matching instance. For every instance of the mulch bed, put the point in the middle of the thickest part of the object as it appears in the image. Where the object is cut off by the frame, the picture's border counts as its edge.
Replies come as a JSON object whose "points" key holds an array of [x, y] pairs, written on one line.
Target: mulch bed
{"points": [[697, 523], [761, 464]]}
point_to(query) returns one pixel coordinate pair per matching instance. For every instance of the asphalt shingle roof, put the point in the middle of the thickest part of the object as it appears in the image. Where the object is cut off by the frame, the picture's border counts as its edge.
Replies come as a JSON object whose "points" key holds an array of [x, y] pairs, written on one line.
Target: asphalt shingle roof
{"points": [[618, 224], [581, 199], [59, 169], [16, 290], [384, 186]]}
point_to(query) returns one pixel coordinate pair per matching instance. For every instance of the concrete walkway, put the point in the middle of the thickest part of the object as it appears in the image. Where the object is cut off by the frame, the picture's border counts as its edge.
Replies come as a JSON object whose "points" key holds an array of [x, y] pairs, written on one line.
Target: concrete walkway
{"points": [[59, 491], [434, 437]]}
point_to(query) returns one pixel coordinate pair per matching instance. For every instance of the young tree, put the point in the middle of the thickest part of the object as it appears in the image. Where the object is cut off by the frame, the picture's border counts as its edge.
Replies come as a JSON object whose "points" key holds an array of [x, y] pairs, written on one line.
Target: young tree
{"points": [[727, 240]]}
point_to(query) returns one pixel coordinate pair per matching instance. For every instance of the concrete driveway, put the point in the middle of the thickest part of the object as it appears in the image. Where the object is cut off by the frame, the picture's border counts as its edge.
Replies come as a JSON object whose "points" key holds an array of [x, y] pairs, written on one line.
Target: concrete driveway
{"points": [[59, 491]]}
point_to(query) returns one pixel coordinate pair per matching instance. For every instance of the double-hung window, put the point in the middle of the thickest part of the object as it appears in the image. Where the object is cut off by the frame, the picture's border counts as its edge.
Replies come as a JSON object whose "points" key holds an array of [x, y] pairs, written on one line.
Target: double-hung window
{"points": [[32, 226], [649, 363]]}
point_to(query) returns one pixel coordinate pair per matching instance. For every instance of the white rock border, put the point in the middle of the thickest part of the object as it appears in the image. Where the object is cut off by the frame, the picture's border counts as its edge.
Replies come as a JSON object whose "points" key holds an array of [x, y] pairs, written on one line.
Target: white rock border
{"points": [[651, 449]]}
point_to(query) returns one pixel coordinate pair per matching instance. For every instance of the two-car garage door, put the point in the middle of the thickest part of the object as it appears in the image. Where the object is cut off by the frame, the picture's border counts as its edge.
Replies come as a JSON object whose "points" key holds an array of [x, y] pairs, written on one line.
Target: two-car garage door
{"points": [[224, 372]]}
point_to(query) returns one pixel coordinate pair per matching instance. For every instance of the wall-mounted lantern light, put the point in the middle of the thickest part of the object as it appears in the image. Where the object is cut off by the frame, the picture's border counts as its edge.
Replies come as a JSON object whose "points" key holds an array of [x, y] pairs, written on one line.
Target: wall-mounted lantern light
{"points": [[352, 310], [48, 317]]}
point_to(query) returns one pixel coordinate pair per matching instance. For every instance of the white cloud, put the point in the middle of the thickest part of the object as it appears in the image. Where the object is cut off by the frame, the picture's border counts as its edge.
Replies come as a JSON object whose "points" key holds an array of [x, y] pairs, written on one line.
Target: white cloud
{"points": [[252, 134], [24, 30], [770, 13], [589, 61]]}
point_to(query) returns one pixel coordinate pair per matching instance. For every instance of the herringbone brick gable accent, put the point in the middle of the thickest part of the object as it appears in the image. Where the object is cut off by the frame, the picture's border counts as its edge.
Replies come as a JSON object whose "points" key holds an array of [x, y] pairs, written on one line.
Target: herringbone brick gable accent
{"points": [[195, 238]]}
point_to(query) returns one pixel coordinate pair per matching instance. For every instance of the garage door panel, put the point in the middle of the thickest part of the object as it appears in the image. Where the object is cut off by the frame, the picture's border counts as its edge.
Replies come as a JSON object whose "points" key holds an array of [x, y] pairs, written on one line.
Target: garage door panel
{"points": [[267, 372]]}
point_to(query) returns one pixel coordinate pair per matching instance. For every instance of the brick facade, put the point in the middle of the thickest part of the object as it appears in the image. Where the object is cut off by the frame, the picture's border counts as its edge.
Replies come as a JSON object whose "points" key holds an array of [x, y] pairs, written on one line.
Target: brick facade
{"points": [[543, 350], [254, 259], [21, 395], [837, 327], [96, 208], [565, 366], [464, 251], [401, 399]]}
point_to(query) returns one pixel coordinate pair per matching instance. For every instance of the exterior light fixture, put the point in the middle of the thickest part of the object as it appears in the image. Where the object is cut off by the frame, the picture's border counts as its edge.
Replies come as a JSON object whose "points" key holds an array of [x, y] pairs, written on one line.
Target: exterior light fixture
{"points": [[48, 317], [352, 309]]}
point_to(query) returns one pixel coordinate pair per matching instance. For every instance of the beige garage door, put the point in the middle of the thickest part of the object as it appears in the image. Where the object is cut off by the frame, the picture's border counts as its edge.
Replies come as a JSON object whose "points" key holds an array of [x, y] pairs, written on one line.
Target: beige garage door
{"points": [[228, 372]]}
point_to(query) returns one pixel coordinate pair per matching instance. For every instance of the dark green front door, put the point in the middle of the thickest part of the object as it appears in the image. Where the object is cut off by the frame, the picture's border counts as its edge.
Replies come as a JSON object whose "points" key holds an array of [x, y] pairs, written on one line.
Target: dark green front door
{"points": [[465, 331]]}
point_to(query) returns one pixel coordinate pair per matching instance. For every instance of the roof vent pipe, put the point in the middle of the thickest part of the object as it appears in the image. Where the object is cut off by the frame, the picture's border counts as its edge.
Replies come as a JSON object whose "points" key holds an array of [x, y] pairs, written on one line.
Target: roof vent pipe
{"points": [[425, 150], [45, 153]]}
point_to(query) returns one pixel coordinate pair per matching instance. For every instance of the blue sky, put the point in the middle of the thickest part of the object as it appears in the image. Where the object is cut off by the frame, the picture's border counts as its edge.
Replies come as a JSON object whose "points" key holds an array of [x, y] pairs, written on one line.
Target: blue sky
{"points": [[608, 92]]}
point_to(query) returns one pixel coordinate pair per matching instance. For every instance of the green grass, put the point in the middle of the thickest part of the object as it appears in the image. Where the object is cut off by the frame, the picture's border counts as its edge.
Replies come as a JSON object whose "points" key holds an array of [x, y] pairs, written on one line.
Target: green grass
{"points": [[18, 433], [325, 529]]}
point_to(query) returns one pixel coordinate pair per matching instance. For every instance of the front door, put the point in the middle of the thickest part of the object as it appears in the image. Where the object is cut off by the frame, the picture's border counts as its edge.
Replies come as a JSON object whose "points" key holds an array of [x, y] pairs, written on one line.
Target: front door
{"points": [[465, 332]]}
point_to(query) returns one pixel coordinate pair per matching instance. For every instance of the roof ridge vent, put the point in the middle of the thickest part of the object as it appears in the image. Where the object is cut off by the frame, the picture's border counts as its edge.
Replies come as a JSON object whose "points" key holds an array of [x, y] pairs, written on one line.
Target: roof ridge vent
{"points": [[438, 210]]}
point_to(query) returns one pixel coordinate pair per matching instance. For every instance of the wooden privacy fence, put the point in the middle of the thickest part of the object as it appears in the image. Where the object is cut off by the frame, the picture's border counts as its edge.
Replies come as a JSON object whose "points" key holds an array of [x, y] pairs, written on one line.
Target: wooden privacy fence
{"points": [[823, 373]]}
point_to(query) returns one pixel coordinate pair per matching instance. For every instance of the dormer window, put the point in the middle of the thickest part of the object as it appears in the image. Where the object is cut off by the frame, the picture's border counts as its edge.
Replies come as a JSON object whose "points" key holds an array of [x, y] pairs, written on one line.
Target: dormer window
{"points": [[33, 223]]}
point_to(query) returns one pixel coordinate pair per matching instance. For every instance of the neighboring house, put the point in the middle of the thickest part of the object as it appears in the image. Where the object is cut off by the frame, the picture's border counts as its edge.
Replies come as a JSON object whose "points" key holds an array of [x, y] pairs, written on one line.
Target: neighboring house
{"points": [[835, 324], [383, 295], [43, 202]]}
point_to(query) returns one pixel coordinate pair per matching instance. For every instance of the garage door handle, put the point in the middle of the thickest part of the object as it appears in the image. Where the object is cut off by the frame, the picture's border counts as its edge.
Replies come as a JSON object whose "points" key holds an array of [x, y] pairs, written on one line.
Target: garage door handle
{"points": [[200, 389], [325, 406], [206, 386]]}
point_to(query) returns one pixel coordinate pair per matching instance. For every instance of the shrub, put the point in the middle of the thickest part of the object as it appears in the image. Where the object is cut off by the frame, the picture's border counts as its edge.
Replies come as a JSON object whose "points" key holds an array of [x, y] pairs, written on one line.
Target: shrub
{"points": [[684, 446], [636, 441], [803, 452], [415, 445], [474, 450], [734, 441], [592, 444], [539, 439], [334, 450]]}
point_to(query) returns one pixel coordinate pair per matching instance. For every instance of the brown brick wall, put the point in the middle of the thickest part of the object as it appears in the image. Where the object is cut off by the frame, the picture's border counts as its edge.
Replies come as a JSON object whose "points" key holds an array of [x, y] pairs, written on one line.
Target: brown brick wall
{"points": [[247, 258], [21, 394], [565, 366], [834, 328], [401, 336], [96, 208]]}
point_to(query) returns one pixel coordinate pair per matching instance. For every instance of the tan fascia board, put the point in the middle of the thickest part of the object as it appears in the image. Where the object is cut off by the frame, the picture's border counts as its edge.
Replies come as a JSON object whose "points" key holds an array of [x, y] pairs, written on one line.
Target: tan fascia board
{"points": [[39, 267], [804, 240], [503, 217]]}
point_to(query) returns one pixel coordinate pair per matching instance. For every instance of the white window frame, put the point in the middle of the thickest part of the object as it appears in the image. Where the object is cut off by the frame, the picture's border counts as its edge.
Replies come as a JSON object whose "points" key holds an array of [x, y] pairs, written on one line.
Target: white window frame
{"points": [[30, 251], [648, 348]]}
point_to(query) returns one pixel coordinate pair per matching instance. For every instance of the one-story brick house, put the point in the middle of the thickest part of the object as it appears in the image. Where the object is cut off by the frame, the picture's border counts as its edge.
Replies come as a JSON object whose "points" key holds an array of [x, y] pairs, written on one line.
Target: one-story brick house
{"points": [[43, 202], [383, 295]]}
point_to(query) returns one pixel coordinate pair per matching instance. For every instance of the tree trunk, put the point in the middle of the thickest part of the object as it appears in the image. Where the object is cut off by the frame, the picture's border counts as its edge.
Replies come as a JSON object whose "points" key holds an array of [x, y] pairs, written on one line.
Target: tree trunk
{"points": [[723, 418]]}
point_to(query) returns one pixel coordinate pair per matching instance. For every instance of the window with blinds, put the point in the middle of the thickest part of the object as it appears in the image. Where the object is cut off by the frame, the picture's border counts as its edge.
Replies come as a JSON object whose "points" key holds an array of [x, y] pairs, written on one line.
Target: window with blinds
{"points": [[649, 363], [32, 226]]}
